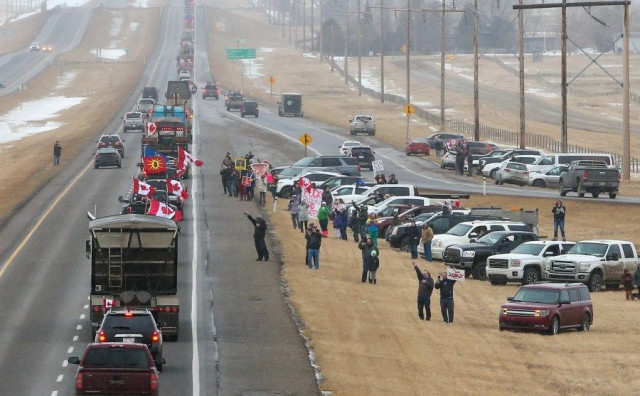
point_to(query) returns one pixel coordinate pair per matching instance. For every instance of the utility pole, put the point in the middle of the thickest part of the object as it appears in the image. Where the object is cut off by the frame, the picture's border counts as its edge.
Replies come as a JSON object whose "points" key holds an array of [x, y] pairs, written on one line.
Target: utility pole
{"points": [[564, 139], [312, 42], [408, 65], [521, 73], [321, 32], [443, 32], [626, 134], [476, 94], [359, 41], [282, 15], [381, 52], [304, 25]]}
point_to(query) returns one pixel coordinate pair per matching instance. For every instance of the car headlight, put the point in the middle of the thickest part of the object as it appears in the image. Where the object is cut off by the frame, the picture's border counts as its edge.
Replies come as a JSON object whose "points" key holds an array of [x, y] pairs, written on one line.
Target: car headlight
{"points": [[541, 312], [436, 243], [514, 263], [502, 311], [584, 266], [469, 254]]}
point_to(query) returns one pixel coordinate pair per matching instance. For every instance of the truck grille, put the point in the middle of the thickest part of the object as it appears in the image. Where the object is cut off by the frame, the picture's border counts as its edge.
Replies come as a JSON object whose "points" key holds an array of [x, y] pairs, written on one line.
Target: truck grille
{"points": [[520, 312], [563, 267], [452, 255], [498, 263]]}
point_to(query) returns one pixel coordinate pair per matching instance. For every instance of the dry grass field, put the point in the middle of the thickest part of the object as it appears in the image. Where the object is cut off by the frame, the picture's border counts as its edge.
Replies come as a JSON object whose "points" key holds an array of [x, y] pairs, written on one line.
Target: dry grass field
{"points": [[367, 338], [33, 155]]}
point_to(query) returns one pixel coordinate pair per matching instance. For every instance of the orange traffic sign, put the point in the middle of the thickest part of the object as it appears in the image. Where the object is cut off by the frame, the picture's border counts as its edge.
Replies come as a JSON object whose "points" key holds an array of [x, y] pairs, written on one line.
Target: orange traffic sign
{"points": [[272, 80], [305, 139], [409, 109]]}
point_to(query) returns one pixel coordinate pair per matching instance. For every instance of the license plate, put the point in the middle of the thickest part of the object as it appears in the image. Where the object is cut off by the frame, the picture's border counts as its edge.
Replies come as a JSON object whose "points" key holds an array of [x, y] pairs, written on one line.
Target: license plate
{"points": [[361, 156], [128, 340], [418, 151]]}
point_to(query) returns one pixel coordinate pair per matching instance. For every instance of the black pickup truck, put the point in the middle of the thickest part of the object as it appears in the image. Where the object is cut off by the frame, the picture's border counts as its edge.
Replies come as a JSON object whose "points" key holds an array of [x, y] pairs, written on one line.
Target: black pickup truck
{"points": [[472, 257], [593, 177]]}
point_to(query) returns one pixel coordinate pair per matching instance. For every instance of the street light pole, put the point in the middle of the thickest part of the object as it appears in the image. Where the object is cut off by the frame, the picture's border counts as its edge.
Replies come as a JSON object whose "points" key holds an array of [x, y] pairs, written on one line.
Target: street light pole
{"points": [[408, 65], [346, 43]]}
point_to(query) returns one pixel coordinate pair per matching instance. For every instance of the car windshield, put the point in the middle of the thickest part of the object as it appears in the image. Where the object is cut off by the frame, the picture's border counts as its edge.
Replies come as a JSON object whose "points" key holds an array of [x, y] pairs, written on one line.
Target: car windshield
{"points": [[290, 172], [117, 358], [134, 115], [589, 248], [333, 182], [110, 139], [304, 162], [490, 239], [135, 323], [389, 211], [540, 296], [459, 230], [529, 248]]}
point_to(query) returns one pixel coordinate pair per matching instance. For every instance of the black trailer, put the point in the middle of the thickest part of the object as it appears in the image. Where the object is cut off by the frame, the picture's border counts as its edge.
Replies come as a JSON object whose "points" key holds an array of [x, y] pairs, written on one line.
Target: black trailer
{"points": [[290, 104]]}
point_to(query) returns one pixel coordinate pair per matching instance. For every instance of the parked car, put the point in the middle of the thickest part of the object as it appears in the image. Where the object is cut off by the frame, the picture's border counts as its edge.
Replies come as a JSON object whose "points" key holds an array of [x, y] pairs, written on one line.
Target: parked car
{"points": [[588, 176], [107, 156], [345, 181], [418, 146], [444, 137], [249, 108], [526, 264], [489, 170], [349, 193], [362, 124], [405, 213], [284, 187], [548, 179], [448, 160], [548, 307], [112, 141], [512, 172], [410, 200], [117, 368], [331, 163], [364, 154], [472, 256], [346, 146], [504, 155], [549, 161]]}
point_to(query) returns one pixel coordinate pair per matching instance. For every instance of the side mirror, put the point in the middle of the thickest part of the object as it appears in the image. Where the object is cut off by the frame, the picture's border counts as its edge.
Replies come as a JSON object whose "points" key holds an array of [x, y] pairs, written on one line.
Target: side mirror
{"points": [[87, 248], [472, 240], [509, 298], [548, 253], [120, 199], [159, 361], [73, 360], [473, 235]]}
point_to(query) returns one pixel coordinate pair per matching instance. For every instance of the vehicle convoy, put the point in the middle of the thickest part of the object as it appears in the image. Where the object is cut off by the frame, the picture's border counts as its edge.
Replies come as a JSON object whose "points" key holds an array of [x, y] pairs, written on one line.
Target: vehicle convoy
{"points": [[115, 368], [472, 257], [210, 91], [107, 156], [594, 262], [134, 264], [526, 264], [362, 124], [588, 176], [290, 104], [548, 307], [234, 101]]}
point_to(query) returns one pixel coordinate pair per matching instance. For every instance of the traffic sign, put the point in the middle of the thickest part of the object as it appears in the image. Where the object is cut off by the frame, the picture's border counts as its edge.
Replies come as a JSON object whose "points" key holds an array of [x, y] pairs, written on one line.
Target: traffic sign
{"points": [[409, 109], [241, 53], [272, 80], [305, 139]]}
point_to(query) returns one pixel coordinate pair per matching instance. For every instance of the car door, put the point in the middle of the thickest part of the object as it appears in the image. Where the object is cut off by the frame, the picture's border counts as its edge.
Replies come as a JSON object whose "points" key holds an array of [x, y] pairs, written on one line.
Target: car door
{"points": [[613, 268], [506, 244], [629, 258], [573, 311], [552, 177]]}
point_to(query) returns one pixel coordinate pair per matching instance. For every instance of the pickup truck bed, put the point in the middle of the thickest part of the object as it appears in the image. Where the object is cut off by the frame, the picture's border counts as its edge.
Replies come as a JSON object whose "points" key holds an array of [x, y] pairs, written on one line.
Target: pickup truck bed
{"points": [[592, 177]]}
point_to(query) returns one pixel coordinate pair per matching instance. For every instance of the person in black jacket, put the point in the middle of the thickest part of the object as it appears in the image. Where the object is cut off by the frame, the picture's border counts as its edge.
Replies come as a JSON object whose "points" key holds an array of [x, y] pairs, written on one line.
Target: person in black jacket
{"points": [[446, 297], [414, 234], [314, 240], [559, 211], [425, 289], [259, 232], [367, 248]]}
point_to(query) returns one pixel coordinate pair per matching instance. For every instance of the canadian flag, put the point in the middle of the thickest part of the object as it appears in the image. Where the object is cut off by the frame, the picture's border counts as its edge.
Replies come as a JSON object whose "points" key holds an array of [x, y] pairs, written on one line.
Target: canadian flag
{"points": [[142, 188], [108, 303], [151, 128], [184, 158], [175, 187], [159, 209]]}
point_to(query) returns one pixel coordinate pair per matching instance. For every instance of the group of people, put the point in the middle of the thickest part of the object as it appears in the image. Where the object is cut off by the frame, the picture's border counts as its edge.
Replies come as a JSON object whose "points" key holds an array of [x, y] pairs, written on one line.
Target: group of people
{"points": [[242, 182]]}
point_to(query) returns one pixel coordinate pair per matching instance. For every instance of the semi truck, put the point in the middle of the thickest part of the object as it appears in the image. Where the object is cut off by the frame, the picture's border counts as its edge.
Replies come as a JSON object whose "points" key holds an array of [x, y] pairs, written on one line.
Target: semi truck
{"points": [[134, 264]]}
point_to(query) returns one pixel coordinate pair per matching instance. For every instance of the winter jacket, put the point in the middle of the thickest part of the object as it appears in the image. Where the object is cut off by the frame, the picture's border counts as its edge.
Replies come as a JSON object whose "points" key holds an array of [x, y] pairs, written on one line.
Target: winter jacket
{"points": [[627, 281], [303, 211], [446, 287], [425, 285], [341, 218], [294, 205], [261, 186], [374, 263], [314, 240], [323, 213], [427, 235], [327, 197], [559, 212], [413, 232], [260, 227], [366, 252]]}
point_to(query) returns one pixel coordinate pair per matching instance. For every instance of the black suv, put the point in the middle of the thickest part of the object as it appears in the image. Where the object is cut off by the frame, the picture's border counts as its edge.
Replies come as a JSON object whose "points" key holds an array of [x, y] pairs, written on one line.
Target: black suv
{"points": [[131, 326], [249, 108], [107, 156], [210, 91], [150, 92], [472, 257], [501, 155], [364, 155]]}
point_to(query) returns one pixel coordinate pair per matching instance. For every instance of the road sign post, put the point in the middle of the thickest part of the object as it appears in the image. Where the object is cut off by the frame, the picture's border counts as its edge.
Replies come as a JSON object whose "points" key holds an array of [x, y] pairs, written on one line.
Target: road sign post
{"points": [[241, 53], [272, 81], [409, 109], [305, 139]]}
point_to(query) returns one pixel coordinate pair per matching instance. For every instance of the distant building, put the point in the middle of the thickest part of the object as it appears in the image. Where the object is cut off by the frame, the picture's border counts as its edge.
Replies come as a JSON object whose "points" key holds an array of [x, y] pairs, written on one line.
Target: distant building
{"points": [[541, 42], [634, 43]]}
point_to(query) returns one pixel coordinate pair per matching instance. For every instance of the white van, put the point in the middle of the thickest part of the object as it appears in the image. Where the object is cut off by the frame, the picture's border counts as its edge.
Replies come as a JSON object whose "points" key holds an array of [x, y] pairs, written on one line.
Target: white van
{"points": [[550, 161]]}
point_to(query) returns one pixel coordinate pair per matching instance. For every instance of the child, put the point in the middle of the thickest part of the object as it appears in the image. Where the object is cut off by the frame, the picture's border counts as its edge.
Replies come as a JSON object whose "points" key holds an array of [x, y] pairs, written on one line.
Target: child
{"points": [[627, 283]]}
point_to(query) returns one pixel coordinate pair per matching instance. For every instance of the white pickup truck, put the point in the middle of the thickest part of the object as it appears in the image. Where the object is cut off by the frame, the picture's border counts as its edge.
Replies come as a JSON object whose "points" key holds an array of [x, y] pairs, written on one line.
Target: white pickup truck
{"points": [[526, 264], [594, 262]]}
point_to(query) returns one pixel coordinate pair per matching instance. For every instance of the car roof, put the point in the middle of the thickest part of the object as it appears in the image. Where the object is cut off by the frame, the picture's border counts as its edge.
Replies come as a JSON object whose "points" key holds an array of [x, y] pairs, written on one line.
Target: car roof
{"points": [[546, 242], [476, 222], [511, 232], [552, 286], [605, 241], [96, 345]]}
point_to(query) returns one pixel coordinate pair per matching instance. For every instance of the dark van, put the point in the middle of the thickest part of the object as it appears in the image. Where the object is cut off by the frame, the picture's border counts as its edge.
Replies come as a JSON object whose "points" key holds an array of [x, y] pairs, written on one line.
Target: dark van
{"points": [[150, 92]]}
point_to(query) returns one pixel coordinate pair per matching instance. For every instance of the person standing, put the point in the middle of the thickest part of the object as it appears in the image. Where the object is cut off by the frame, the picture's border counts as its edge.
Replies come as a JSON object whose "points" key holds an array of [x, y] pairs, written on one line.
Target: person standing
{"points": [[425, 289], [57, 151], [272, 183], [372, 225], [234, 176], [327, 197], [374, 264], [261, 186], [439, 146], [323, 218], [294, 206], [413, 234], [367, 248], [392, 179], [250, 184], [446, 297], [627, 283], [341, 221], [425, 240], [314, 239], [225, 172], [259, 232], [303, 216], [559, 212], [636, 279]]}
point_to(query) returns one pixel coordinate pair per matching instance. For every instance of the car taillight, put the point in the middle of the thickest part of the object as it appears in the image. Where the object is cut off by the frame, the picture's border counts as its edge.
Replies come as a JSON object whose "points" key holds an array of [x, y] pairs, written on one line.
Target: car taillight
{"points": [[118, 144], [155, 337], [97, 308], [585, 175], [102, 337], [79, 381], [154, 382], [175, 308], [619, 176], [102, 144]]}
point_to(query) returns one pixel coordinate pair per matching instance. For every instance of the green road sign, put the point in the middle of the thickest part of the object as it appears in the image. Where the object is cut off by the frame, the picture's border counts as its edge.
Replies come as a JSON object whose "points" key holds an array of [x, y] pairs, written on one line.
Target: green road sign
{"points": [[241, 53]]}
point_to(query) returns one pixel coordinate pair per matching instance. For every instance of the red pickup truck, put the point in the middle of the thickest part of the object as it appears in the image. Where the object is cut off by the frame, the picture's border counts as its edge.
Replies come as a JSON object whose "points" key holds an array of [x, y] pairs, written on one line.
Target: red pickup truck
{"points": [[116, 368]]}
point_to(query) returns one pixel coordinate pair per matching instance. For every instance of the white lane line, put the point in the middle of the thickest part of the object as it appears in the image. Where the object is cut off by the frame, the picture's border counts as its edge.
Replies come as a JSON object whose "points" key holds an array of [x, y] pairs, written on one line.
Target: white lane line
{"points": [[86, 306], [60, 377], [70, 350], [75, 338], [195, 359], [54, 393], [82, 317], [79, 327], [65, 363]]}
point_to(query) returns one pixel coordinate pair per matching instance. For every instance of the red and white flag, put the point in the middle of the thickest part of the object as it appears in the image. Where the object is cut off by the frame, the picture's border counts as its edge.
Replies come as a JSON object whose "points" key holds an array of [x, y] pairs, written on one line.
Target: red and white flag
{"points": [[176, 188], [151, 128], [108, 303], [142, 188], [184, 158], [159, 209]]}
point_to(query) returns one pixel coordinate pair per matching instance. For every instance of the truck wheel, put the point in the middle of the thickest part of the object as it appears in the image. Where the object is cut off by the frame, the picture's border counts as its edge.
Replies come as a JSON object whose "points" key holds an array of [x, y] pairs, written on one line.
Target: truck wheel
{"points": [[492, 174], [562, 192], [595, 282], [404, 244], [595, 194], [612, 195], [530, 276], [586, 323], [539, 183], [580, 194], [612, 286], [555, 326], [286, 192], [479, 271]]}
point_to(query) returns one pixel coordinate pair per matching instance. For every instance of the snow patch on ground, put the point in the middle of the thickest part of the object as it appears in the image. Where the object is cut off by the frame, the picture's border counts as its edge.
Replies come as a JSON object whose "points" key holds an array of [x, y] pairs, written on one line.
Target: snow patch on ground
{"points": [[133, 26], [540, 92], [113, 53], [34, 117], [66, 79]]}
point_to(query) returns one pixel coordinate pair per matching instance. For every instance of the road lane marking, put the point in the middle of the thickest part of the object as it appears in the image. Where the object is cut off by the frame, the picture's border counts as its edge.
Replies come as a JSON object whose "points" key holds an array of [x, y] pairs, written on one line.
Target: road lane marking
{"points": [[70, 350], [79, 327], [44, 216], [60, 377], [75, 338], [82, 316], [65, 363]]}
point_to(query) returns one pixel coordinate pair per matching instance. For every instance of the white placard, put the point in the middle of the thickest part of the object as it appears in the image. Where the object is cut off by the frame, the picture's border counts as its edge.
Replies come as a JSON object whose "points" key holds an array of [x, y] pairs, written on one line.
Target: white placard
{"points": [[455, 274], [377, 166]]}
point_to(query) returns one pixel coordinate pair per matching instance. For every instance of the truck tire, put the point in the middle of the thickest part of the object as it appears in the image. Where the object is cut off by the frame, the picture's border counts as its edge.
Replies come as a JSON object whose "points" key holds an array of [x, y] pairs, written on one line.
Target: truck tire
{"points": [[562, 192], [531, 275], [595, 194], [479, 271], [539, 183], [580, 194], [612, 195], [595, 281], [612, 286], [586, 322], [404, 244], [492, 174], [555, 326], [286, 192]]}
